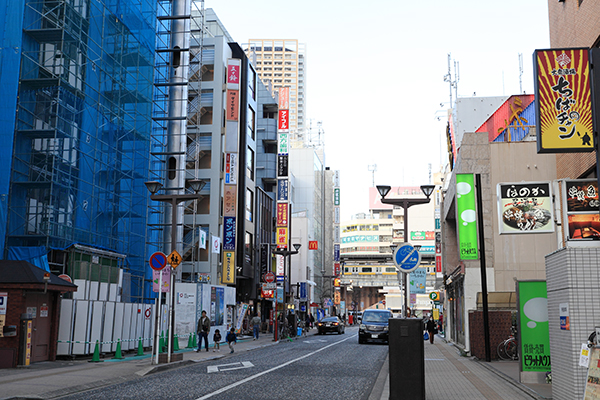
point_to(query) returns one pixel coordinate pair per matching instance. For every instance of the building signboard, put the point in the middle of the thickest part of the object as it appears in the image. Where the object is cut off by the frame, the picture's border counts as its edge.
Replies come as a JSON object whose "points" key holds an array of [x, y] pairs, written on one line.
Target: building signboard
{"points": [[336, 196], [336, 215], [563, 100], [313, 245], [336, 252], [282, 165], [232, 105], [284, 98], [284, 117], [282, 236], [229, 233], [228, 273], [466, 217], [581, 211], [229, 200], [282, 190], [282, 214], [283, 143], [525, 208], [233, 72], [231, 168], [534, 343]]}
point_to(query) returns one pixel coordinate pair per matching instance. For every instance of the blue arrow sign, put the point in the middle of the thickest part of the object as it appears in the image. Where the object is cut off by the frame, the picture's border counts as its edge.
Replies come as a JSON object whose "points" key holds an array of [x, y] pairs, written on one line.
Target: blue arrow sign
{"points": [[407, 258]]}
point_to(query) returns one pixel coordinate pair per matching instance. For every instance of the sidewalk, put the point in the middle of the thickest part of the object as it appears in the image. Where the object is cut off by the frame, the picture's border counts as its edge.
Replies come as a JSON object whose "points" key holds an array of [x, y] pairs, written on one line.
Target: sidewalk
{"points": [[47, 380], [443, 361]]}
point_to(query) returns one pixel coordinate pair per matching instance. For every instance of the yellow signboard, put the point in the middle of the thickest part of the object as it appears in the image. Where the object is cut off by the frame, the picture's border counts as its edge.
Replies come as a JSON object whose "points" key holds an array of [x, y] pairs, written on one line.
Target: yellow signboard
{"points": [[336, 297], [174, 259], [228, 273]]}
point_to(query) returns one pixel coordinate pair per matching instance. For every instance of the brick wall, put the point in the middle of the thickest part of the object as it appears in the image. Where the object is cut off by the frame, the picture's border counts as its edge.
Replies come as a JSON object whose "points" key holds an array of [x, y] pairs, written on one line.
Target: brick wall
{"points": [[499, 323], [15, 307]]}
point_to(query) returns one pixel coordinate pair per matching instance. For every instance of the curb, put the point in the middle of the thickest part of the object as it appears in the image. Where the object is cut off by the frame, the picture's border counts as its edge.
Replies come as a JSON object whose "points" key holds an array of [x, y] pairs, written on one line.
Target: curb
{"points": [[527, 390]]}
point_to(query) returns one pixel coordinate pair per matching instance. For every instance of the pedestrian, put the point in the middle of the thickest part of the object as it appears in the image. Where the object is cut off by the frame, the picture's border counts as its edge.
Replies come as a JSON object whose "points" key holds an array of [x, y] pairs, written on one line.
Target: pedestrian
{"points": [[430, 328], [203, 330], [312, 320], [255, 322], [351, 319], [231, 339], [217, 340]]}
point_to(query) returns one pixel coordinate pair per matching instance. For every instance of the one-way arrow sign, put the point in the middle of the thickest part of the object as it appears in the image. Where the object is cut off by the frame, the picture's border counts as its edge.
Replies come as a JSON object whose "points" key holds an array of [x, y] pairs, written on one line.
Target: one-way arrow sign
{"points": [[232, 366]]}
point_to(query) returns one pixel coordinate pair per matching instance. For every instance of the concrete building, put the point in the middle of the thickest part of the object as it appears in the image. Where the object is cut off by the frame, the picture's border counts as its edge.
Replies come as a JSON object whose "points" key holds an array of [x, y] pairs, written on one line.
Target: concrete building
{"points": [[282, 62]]}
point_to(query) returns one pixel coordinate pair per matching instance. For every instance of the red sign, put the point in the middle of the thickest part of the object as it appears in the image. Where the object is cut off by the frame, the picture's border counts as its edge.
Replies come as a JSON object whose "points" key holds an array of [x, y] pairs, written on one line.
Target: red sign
{"points": [[438, 263], [158, 261], [284, 117], [269, 277], [232, 105], [313, 245], [267, 294], [284, 98], [65, 277], [233, 73], [282, 214], [336, 268]]}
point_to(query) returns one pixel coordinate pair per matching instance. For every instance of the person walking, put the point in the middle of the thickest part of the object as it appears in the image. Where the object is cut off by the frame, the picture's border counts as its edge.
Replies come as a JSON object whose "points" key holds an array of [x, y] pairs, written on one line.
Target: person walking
{"points": [[255, 322], [203, 330], [430, 328], [217, 340], [231, 339]]}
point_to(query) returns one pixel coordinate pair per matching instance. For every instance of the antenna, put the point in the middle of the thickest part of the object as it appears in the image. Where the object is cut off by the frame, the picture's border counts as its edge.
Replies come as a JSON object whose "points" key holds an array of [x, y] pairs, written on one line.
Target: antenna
{"points": [[373, 168], [430, 173], [448, 78], [520, 73]]}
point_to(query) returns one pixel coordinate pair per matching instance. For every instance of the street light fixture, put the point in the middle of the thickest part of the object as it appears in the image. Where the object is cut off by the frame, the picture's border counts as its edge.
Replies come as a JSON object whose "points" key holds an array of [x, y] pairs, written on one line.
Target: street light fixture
{"points": [[154, 187], [405, 203]]}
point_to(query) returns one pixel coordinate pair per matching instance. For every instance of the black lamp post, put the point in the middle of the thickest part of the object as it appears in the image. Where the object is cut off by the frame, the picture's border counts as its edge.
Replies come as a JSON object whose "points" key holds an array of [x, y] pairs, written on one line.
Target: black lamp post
{"points": [[286, 253], [405, 203], [153, 187]]}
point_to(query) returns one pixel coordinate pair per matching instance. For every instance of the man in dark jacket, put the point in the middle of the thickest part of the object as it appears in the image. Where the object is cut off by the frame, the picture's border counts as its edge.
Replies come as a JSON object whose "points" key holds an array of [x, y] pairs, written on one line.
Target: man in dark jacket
{"points": [[203, 330], [430, 328]]}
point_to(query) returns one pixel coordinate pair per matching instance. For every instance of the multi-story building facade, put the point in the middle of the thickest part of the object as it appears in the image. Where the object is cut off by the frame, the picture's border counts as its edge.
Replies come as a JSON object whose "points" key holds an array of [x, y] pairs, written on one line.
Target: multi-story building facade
{"points": [[75, 154], [279, 63]]}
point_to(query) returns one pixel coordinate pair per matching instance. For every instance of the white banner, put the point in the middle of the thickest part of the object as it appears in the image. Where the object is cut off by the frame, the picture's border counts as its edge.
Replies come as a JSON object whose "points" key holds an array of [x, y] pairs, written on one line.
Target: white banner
{"points": [[216, 244], [280, 265]]}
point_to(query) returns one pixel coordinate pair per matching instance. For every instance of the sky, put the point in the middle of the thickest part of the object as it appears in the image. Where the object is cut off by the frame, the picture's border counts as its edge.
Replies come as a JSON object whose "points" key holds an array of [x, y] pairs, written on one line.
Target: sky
{"points": [[375, 73]]}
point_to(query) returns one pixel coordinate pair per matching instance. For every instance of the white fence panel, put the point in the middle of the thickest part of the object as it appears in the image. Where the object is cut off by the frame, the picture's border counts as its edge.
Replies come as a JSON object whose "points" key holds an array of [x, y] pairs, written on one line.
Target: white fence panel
{"points": [[95, 329], [109, 321], [127, 321], [118, 327], [65, 327], [80, 329]]}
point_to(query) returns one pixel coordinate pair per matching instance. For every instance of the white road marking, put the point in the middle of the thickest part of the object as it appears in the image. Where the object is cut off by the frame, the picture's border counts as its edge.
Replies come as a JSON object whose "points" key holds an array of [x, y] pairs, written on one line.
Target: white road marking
{"points": [[315, 341], [248, 379], [238, 365]]}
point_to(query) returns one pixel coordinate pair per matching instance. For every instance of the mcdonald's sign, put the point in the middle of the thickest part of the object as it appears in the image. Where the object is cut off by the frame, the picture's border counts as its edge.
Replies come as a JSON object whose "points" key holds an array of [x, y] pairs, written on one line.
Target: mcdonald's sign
{"points": [[313, 245]]}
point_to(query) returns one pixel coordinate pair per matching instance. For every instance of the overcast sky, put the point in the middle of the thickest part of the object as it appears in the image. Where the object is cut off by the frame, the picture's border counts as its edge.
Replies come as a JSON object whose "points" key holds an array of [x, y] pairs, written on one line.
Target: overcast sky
{"points": [[375, 73]]}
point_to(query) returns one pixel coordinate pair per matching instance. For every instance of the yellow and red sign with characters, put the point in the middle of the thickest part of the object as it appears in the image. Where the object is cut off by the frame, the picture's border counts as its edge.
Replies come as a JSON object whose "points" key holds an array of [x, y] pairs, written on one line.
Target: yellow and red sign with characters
{"points": [[282, 236], [563, 101], [282, 214]]}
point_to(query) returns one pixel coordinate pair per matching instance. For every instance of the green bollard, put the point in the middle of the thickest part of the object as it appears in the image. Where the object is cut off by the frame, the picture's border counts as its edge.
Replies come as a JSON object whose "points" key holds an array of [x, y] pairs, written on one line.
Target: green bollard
{"points": [[118, 354], [140, 347], [175, 343], [96, 356], [161, 343]]}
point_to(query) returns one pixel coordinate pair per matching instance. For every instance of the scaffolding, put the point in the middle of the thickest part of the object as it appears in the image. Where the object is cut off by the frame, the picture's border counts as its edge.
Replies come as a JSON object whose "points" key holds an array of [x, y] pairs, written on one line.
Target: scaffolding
{"points": [[83, 128], [196, 132]]}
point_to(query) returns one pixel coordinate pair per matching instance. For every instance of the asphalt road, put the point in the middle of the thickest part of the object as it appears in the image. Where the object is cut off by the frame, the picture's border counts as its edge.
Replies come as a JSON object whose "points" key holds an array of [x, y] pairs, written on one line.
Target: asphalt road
{"points": [[316, 367]]}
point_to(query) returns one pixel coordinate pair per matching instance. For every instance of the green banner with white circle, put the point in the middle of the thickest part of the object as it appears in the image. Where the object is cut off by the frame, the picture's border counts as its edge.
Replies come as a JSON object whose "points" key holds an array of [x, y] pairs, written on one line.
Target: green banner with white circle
{"points": [[466, 217]]}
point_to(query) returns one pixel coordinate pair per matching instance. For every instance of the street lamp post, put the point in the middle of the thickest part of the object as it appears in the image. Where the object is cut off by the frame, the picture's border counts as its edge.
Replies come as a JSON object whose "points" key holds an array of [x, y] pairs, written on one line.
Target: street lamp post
{"points": [[405, 203], [285, 253], [153, 186]]}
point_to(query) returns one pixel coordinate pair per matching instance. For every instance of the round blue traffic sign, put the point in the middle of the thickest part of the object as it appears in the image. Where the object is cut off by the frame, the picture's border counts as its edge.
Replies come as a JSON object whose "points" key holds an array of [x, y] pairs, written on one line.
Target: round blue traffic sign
{"points": [[407, 258], [158, 261]]}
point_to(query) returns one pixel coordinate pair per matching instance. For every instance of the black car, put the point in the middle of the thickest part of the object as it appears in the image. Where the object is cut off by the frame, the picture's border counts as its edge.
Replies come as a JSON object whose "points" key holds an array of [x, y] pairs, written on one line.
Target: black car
{"points": [[330, 324], [374, 326]]}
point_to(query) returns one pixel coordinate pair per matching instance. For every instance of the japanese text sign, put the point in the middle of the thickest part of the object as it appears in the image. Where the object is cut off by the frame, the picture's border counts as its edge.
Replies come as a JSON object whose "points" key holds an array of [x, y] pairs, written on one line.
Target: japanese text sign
{"points": [[282, 214], [283, 143], [282, 236], [232, 105], [282, 190], [282, 165], [228, 233], [466, 217], [166, 279], [228, 274], [533, 326], [582, 218], [284, 98], [229, 200], [525, 208], [563, 100], [233, 71], [284, 118]]}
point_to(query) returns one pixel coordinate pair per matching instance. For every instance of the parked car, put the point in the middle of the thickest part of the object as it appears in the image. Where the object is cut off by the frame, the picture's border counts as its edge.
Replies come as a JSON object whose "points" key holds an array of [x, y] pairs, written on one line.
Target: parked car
{"points": [[330, 324], [374, 326]]}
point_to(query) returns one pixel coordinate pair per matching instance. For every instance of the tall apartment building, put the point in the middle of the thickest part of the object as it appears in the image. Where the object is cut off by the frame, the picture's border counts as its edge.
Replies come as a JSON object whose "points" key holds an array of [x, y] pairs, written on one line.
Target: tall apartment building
{"points": [[282, 63]]}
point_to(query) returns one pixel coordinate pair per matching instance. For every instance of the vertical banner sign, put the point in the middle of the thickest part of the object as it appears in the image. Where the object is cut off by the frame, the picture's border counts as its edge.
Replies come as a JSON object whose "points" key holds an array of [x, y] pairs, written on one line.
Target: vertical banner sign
{"points": [[563, 101], [3, 302], [534, 348], [28, 343], [283, 145], [282, 214], [280, 265], [337, 270], [282, 236], [282, 190], [525, 208], [282, 165], [466, 217], [283, 217], [336, 196], [232, 127]]}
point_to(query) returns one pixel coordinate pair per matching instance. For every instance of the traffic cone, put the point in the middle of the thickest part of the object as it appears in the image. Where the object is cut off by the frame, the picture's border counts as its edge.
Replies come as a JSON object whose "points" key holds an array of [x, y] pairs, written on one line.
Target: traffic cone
{"points": [[190, 344], [96, 356], [140, 347], [118, 354], [176, 343], [194, 341], [161, 343]]}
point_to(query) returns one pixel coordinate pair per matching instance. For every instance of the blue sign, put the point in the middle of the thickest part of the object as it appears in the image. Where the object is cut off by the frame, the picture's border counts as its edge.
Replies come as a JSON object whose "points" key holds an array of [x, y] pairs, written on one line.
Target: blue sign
{"points": [[320, 314], [407, 258], [228, 233], [336, 252], [282, 190], [302, 291], [280, 278], [158, 261], [417, 280]]}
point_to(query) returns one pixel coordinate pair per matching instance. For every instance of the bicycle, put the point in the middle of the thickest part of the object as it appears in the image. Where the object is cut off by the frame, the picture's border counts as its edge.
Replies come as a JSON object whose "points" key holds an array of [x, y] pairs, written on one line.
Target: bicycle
{"points": [[508, 348]]}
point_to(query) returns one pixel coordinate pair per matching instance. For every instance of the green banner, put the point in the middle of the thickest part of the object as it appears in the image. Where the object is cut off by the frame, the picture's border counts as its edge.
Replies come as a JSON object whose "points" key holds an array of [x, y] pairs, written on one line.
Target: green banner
{"points": [[466, 217], [534, 350]]}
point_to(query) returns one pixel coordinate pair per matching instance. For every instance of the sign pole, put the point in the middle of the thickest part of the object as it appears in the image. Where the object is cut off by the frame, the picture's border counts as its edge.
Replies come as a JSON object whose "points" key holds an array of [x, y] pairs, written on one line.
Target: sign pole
{"points": [[158, 318]]}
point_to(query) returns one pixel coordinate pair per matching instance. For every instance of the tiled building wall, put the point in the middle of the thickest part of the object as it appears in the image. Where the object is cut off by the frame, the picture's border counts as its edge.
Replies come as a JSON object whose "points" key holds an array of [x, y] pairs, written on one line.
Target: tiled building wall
{"points": [[572, 277], [499, 323]]}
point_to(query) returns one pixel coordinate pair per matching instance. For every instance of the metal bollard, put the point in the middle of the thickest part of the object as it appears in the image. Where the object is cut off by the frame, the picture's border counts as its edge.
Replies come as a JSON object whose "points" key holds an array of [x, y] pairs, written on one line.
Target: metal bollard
{"points": [[407, 359]]}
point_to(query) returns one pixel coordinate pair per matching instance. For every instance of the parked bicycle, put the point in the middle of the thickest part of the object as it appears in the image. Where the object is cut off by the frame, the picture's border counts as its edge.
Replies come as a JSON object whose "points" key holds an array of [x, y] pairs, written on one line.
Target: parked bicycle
{"points": [[508, 348]]}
